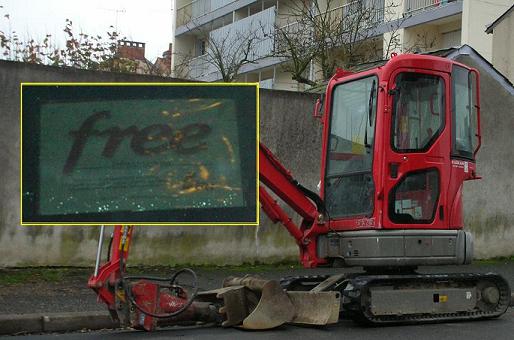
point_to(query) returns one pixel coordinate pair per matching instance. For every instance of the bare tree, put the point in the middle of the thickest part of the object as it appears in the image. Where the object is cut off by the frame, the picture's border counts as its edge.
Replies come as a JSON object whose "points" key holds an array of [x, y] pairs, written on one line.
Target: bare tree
{"points": [[392, 43], [321, 33], [294, 43], [182, 65], [230, 50], [423, 41], [224, 50], [81, 50]]}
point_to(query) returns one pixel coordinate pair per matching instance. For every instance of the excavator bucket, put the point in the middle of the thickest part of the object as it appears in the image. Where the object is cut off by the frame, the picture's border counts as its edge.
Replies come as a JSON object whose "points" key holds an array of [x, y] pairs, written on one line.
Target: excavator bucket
{"points": [[275, 306], [255, 303]]}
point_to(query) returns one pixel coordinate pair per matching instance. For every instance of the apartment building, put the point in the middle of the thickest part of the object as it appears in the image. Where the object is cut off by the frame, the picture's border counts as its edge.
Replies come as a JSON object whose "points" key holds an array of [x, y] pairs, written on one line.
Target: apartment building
{"points": [[415, 25]]}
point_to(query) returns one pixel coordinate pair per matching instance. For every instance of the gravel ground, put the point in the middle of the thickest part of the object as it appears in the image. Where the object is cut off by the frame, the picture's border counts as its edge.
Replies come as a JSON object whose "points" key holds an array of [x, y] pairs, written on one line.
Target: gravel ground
{"points": [[39, 290]]}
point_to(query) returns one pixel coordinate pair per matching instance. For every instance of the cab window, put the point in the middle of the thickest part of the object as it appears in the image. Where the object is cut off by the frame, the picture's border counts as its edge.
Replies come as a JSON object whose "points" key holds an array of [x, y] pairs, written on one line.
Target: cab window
{"points": [[464, 113], [418, 111]]}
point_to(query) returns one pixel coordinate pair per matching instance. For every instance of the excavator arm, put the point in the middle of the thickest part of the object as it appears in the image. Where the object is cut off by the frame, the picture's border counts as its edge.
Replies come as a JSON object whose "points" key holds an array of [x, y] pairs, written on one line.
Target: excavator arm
{"points": [[279, 180], [146, 302]]}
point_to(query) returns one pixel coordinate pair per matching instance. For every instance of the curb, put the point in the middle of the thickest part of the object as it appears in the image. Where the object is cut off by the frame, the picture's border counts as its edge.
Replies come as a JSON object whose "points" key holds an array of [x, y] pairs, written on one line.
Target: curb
{"points": [[54, 322]]}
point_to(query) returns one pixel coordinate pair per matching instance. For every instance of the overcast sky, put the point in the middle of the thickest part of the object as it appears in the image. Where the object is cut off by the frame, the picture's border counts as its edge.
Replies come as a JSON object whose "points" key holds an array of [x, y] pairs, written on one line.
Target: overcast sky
{"points": [[147, 21]]}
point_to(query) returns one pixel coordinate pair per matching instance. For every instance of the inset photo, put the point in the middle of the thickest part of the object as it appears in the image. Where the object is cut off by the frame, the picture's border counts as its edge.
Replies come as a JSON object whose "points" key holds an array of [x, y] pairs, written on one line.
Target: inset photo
{"points": [[145, 153]]}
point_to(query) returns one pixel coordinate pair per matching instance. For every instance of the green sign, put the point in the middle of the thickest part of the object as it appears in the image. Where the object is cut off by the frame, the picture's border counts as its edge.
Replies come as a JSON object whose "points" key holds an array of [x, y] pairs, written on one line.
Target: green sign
{"points": [[167, 158]]}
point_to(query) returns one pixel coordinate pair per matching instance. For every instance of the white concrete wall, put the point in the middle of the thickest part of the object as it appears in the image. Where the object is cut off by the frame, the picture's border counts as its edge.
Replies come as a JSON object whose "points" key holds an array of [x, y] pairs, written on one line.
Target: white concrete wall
{"points": [[283, 81], [476, 15], [183, 49], [393, 41], [503, 46], [286, 124], [286, 121]]}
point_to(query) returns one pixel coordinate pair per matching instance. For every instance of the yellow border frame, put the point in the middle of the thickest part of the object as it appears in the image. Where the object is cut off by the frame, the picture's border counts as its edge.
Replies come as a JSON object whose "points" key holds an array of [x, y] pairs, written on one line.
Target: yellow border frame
{"points": [[142, 223]]}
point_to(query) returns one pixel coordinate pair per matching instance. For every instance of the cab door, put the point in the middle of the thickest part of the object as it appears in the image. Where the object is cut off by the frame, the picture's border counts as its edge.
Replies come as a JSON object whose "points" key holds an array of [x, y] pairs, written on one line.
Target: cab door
{"points": [[417, 152]]}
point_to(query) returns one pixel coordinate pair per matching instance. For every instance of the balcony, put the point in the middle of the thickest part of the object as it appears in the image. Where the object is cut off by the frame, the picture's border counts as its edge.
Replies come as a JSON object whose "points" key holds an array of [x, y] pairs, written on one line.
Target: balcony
{"points": [[360, 15], [419, 12], [417, 6], [369, 11], [230, 44], [198, 8]]}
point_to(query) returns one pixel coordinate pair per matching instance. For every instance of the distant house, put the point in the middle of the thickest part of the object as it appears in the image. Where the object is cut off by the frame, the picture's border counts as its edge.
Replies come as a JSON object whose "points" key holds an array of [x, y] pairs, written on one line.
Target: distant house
{"points": [[163, 64], [502, 30], [131, 55]]}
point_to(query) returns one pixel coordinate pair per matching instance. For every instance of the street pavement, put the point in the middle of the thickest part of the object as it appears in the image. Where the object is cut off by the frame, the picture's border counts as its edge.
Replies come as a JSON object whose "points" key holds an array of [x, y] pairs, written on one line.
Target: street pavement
{"points": [[70, 292], [497, 329]]}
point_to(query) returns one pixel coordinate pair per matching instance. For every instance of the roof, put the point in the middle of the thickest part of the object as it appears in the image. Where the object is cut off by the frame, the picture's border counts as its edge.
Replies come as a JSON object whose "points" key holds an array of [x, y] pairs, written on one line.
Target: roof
{"points": [[452, 53], [490, 28], [466, 50]]}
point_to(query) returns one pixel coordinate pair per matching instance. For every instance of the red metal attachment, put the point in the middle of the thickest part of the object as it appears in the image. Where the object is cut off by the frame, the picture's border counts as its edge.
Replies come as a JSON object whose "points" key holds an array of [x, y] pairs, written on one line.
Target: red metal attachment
{"points": [[154, 300], [109, 273]]}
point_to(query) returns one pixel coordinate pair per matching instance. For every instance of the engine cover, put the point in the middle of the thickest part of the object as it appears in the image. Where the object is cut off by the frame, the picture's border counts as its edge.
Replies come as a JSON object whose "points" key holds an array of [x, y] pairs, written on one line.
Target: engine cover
{"points": [[378, 248]]}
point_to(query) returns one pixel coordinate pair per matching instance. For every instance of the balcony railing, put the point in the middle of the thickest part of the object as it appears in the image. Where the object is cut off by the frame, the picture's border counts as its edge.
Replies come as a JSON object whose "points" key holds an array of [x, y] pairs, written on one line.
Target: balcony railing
{"points": [[266, 84], [262, 24], [199, 67], [415, 6], [361, 14], [231, 42], [198, 8], [355, 16]]}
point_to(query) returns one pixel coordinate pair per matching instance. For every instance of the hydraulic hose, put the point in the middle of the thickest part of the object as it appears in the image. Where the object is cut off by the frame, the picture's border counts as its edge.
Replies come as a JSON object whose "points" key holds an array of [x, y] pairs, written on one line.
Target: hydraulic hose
{"points": [[128, 291]]}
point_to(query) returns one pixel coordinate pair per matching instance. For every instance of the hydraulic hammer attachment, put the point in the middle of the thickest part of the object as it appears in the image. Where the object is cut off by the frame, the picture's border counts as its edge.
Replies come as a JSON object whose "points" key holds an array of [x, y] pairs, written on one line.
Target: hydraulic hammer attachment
{"points": [[147, 302]]}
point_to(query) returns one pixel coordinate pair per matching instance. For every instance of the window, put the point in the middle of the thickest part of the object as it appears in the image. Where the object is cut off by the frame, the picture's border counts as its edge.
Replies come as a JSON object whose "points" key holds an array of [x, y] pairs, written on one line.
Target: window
{"points": [[418, 111], [200, 47], [464, 113], [451, 38], [349, 188], [414, 198]]}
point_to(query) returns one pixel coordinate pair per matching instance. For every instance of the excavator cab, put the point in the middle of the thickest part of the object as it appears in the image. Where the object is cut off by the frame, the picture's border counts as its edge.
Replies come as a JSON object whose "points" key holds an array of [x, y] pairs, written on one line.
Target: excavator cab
{"points": [[398, 143]]}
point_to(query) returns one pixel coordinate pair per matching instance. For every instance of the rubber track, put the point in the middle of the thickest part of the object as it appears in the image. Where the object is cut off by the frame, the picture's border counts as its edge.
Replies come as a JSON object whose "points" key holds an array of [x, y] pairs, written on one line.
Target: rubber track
{"points": [[362, 282], [305, 281], [361, 285]]}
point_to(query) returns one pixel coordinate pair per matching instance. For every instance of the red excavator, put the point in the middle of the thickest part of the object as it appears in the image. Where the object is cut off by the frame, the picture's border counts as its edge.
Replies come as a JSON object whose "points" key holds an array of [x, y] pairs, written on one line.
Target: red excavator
{"points": [[399, 140]]}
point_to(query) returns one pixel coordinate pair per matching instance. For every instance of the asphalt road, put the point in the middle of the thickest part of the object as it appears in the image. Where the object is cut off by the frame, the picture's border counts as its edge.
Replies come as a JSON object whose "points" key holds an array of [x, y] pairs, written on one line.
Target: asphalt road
{"points": [[61, 298], [498, 329], [70, 292]]}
